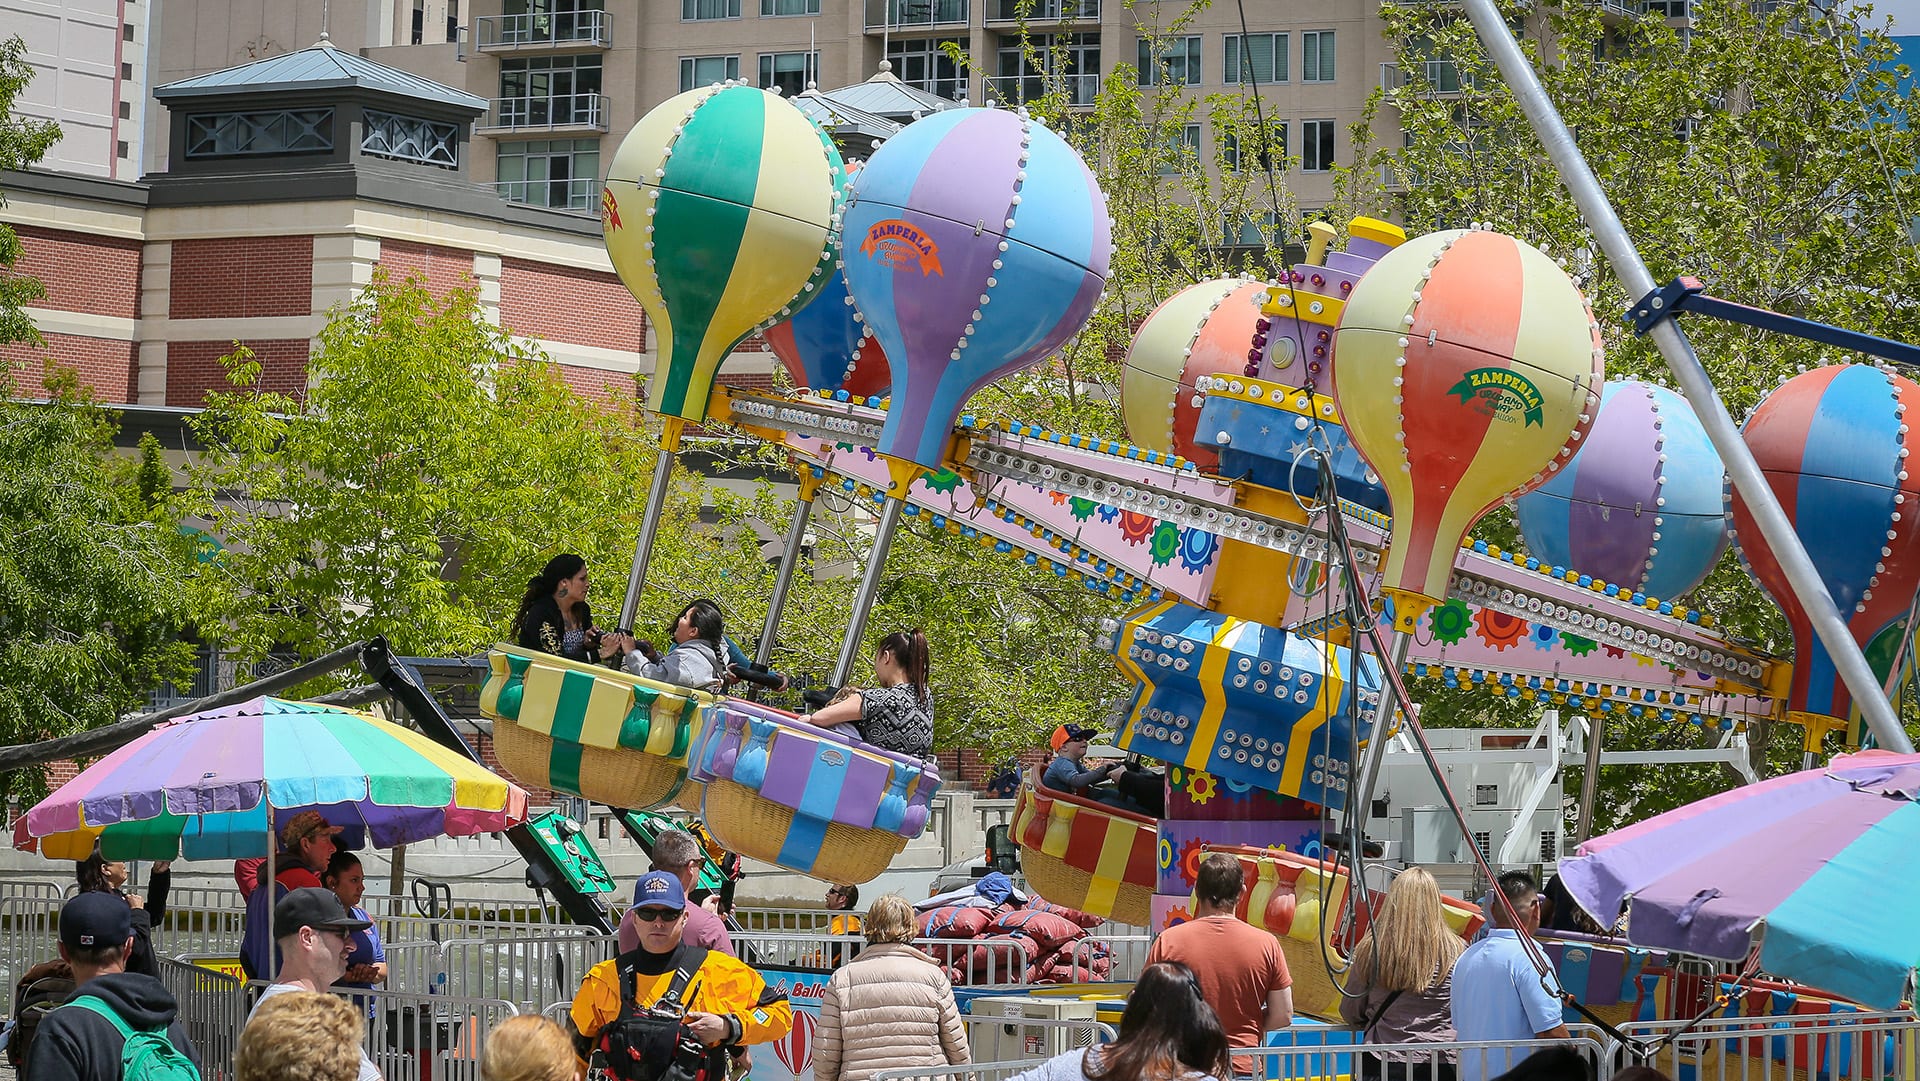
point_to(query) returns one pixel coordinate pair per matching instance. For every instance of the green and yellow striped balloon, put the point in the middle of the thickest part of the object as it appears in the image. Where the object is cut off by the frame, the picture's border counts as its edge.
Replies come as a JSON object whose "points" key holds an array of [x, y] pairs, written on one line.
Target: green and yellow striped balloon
{"points": [[721, 215]]}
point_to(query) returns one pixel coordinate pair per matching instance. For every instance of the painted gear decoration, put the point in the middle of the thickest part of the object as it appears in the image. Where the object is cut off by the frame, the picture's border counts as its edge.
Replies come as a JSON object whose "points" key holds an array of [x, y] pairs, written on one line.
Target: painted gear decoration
{"points": [[1178, 915], [1165, 854], [1108, 513], [1577, 645], [1543, 636], [1450, 621], [1135, 527], [1166, 543], [1197, 548], [1177, 775], [1201, 787], [1082, 508], [1498, 629], [944, 482], [1190, 860]]}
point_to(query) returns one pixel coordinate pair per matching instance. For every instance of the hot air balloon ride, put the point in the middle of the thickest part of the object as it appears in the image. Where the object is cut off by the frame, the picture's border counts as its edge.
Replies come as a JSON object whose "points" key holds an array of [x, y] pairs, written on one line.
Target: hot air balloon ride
{"points": [[1470, 368], [1202, 330], [1640, 504], [1832, 443]]}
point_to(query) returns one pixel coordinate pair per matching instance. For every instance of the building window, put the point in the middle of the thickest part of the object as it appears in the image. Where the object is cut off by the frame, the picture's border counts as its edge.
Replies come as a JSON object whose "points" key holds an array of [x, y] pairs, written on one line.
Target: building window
{"points": [[126, 31], [1316, 56], [1486, 795], [121, 148], [692, 10], [408, 138], [1316, 145], [419, 21], [707, 70], [787, 72], [1276, 148], [924, 12], [1249, 230], [1069, 59], [289, 131], [560, 173], [789, 7], [126, 110], [549, 91], [926, 64], [1181, 149], [1256, 58], [1180, 58], [453, 20]]}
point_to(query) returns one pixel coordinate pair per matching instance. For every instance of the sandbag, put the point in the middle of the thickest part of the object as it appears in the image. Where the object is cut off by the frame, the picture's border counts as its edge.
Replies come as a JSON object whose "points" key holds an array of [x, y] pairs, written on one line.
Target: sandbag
{"points": [[1048, 930], [1084, 919], [955, 921]]}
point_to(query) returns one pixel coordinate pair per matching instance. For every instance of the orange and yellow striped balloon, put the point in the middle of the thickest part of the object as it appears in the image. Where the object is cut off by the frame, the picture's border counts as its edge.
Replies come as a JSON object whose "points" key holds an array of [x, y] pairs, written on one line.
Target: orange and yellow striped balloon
{"points": [[1469, 367]]}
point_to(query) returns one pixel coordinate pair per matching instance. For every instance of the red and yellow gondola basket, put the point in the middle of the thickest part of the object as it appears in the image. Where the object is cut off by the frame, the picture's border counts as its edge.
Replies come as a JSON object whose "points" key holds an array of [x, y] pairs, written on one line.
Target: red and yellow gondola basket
{"points": [[1085, 854], [591, 731]]}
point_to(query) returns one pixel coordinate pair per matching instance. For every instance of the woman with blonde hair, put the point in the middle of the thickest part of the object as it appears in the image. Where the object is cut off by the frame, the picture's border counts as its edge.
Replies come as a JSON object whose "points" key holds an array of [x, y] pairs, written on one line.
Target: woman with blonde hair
{"points": [[527, 1047], [1400, 982], [889, 1008]]}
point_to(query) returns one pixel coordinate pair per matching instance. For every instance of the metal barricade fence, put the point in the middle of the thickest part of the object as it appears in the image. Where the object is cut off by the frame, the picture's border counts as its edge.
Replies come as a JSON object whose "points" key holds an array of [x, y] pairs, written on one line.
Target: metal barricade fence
{"points": [[1125, 955], [1010, 1038], [425, 1037], [978, 962], [47, 888], [213, 1010], [201, 930], [29, 934], [417, 968], [786, 920], [531, 973], [1826, 1046]]}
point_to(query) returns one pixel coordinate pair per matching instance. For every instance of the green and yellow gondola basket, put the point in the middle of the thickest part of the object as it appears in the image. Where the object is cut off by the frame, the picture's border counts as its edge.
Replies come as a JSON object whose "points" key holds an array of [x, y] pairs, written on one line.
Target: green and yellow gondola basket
{"points": [[591, 731]]}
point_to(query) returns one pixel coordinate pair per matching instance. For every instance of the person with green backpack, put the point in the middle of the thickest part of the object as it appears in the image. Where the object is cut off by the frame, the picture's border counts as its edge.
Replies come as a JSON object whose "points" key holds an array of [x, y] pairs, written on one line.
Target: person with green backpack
{"points": [[119, 1025]]}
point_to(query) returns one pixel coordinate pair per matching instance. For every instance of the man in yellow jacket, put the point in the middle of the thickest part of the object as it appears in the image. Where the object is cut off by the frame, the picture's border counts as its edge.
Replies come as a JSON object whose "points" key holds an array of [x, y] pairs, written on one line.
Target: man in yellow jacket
{"points": [[728, 1004]]}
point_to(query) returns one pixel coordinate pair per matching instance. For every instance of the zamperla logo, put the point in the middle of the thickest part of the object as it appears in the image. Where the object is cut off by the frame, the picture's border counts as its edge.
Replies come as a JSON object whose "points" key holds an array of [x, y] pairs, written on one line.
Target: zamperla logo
{"points": [[1502, 395], [609, 210], [896, 243]]}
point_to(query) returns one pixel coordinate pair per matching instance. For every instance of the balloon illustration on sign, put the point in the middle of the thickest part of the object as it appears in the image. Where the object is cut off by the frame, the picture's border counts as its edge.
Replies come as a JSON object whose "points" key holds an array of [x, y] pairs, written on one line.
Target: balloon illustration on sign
{"points": [[1202, 330], [1639, 506], [976, 243], [1832, 442], [720, 214], [1469, 370]]}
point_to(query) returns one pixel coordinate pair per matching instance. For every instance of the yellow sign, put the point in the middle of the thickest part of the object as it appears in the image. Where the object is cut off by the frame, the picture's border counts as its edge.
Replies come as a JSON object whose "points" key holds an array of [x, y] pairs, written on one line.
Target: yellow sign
{"points": [[226, 966]]}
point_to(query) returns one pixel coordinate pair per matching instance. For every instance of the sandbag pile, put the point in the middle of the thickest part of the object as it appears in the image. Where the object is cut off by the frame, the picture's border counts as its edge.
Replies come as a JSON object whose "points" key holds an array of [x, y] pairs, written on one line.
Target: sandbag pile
{"points": [[1039, 942]]}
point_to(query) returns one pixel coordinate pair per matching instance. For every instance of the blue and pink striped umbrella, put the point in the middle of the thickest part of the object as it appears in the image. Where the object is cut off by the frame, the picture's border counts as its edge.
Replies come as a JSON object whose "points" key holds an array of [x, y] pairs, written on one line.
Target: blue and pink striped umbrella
{"points": [[204, 785], [1814, 867]]}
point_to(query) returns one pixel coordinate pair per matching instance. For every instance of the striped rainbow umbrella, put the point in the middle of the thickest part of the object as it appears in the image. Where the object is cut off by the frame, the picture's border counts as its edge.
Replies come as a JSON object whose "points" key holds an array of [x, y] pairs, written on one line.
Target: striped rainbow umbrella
{"points": [[1813, 867], [202, 787]]}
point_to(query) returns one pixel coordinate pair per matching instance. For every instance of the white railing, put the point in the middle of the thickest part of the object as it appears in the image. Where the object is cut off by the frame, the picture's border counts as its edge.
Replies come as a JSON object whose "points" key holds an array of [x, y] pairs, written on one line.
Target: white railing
{"points": [[582, 193], [1439, 76], [1044, 11], [897, 13], [550, 113], [549, 30], [1081, 89]]}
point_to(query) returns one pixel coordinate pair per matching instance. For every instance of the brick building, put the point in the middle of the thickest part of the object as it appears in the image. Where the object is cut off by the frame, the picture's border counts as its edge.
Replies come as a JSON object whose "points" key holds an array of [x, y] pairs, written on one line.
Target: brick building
{"points": [[289, 181]]}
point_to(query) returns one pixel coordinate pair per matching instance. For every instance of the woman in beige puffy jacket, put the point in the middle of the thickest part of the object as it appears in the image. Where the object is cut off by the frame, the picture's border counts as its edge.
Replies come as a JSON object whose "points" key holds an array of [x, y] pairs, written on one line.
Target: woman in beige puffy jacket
{"points": [[889, 1008]]}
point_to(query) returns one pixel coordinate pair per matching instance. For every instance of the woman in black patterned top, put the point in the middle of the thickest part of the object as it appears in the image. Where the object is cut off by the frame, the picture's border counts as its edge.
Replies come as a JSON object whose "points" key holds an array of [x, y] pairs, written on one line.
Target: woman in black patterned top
{"points": [[897, 713], [554, 617]]}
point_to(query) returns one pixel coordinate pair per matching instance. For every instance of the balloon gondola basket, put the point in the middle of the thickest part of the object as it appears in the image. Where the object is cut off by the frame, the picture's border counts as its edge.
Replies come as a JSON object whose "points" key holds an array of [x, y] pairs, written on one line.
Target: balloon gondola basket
{"points": [[590, 731], [779, 790], [1086, 854]]}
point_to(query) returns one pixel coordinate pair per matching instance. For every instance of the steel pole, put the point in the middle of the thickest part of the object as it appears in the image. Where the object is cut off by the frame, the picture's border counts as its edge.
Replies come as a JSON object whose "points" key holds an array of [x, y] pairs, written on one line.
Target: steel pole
{"points": [[1590, 782], [650, 520], [1625, 259], [1376, 752], [869, 586], [789, 559]]}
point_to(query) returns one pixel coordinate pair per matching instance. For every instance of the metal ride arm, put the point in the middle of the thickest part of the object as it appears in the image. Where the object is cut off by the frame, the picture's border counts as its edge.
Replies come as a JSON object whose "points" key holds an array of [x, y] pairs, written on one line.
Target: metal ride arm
{"points": [[1690, 295], [397, 675], [1611, 235]]}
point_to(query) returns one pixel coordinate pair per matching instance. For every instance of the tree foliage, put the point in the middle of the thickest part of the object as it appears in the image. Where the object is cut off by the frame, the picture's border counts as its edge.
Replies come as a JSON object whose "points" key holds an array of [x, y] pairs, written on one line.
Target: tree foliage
{"points": [[22, 142]]}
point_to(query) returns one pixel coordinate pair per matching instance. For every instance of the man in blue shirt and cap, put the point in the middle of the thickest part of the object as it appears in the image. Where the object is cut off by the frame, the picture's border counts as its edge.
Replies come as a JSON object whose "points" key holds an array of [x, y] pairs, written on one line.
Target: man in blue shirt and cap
{"points": [[1498, 993]]}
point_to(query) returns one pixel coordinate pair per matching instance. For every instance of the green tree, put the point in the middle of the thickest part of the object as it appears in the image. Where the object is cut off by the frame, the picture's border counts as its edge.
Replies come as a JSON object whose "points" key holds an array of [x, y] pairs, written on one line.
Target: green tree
{"points": [[22, 142], [97, 586]]}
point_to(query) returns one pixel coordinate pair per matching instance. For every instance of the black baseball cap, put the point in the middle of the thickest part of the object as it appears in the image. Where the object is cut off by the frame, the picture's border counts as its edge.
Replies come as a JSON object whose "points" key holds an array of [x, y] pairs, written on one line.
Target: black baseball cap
{"points": [[91, 920], [312, 906]]}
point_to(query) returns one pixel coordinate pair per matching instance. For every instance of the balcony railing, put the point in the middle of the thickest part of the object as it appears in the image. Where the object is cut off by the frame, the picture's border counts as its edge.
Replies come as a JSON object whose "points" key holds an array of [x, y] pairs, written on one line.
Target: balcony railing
{"points": [[1043, 11], [581, 195], [1626, 9], [552, 30], [899, 13], [1020, 89], [1440, 76], [560, 112]]}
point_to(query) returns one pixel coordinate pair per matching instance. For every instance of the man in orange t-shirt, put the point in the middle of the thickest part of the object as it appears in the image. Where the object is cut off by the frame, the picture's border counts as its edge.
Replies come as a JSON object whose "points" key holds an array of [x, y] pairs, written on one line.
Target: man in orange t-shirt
{"points": [[1242, 973]]}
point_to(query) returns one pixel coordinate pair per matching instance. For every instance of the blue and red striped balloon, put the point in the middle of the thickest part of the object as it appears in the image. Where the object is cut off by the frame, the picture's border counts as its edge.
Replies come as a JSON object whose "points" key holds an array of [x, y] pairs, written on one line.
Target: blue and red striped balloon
{"points": [[823, 347], [1641, 504], [975, 244], [1832, 442]]}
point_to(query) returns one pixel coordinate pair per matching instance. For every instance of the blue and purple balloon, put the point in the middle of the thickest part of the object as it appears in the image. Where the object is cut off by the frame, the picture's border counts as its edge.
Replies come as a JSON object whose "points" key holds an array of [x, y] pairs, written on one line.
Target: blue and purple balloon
{"points": [[1640, 504], [975, 244]]}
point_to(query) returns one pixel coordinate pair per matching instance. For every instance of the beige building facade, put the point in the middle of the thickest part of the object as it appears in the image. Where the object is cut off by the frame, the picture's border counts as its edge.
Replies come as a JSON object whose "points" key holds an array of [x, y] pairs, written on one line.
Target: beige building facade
{"points": [[566, 79]]}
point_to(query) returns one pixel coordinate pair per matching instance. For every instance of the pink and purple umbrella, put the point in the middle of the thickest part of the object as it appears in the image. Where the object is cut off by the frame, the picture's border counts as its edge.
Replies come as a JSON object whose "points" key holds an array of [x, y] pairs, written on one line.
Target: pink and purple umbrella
{"points": [[1813, 867], [203, 786]]}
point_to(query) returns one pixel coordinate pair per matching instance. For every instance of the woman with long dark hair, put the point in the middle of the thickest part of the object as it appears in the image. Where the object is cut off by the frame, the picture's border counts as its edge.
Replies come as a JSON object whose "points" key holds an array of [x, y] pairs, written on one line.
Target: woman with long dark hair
{"points": [[554, 617], [97, 874], [1167, 1033], [897, 713], [693, 660]]}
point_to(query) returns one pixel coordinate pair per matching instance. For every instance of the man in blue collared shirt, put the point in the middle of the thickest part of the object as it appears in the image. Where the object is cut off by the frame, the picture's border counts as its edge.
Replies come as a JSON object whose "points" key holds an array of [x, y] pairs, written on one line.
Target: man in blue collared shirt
{"points": [[1497, 991]]}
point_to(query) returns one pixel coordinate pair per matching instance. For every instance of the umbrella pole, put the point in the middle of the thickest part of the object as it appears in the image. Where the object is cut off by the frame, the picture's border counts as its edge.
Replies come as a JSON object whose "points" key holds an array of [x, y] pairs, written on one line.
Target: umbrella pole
{"points": [[397, 872], [650, 518], [1611, 235]]}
